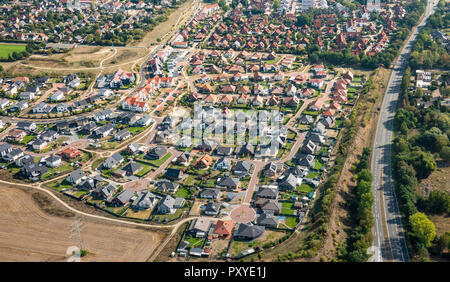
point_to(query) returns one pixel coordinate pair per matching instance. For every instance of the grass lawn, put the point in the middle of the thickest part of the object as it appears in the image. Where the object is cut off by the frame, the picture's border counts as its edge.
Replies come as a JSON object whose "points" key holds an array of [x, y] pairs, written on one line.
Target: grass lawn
{"points": [[26, 139], [312, 174], [238, 246], [183, 193], [6, 49], [169, 217], [159, 162], [59, 185], [190, 180], [64, 168], [310, 113], [135, 129], [193, 241], [80, 193], [306, 188], [291, 134], [318, 165], [291, 221], [322, 151], [142, 214], [97, 163], [145, 169], [118, 210], [287, 208]]}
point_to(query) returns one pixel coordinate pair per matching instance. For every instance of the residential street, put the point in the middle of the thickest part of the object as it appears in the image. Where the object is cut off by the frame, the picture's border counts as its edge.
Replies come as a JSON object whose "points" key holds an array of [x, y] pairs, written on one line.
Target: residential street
{"points": [[390, 245]]}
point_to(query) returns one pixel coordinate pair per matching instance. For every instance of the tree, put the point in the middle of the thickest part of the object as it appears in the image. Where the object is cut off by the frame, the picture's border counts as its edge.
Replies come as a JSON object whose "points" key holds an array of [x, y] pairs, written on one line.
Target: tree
{"points": [[433, 140], [422, 228], [276, 4], [445, 153], [438, 202], [304, 19], [423, 163]]}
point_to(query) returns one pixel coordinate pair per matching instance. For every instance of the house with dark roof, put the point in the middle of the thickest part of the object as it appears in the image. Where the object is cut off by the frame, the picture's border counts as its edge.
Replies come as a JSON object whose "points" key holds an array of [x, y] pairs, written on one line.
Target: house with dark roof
{"points": [[122, 135], [75, 177], [5, 148], [12, 156], [209, 193], [132, 168], [105, 192], [145, 200], [173, 174], [184, 159], [267, 193], [247, 150], [156, 153], [306, 119], [268, 205], [228, 183], [272, 169], [53, 161], [289, 182], [242, 168], [33, 171], [224, 151], [248, 232], [223, 163], [90, 184], [211, 208], [169, 205], [167, 186], [305, 160], [122, 198], [268, 219], [113, 161], [104, 130], [310, 147]]}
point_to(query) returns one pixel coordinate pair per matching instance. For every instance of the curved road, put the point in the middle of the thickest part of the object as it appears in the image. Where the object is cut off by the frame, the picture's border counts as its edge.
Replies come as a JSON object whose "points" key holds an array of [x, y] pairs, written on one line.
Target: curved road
{"points": [[389, 238]]}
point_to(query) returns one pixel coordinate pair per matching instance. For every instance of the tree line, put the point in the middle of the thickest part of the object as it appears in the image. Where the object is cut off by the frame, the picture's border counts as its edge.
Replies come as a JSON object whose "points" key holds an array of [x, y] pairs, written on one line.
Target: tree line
{"points": [[422, 138], [360, 237]]}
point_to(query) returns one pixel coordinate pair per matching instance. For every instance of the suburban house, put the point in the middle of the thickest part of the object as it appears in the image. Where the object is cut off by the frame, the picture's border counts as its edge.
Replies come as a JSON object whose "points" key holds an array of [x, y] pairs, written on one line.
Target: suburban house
{"points": [[248, 232]]}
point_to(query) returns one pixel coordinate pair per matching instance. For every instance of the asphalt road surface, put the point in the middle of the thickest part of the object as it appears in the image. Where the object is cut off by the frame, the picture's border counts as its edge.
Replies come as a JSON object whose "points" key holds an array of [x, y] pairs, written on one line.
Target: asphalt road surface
{"points": [[392, 245]]}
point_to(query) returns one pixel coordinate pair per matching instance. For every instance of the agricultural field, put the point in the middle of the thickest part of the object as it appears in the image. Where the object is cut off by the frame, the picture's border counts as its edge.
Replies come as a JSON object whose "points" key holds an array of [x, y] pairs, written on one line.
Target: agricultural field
{"points": [[7, 49], [27, 233]]}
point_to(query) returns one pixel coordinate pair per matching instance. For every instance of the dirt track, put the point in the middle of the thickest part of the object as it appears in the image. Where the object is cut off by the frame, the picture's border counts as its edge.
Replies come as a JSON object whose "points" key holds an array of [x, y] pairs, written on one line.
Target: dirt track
{"points": [[27, 233]]}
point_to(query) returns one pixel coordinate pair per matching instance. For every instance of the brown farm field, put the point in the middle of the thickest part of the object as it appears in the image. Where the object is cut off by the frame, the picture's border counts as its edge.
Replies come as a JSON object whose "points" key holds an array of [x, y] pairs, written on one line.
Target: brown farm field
{"points": [[163, 28], [28, 233]]}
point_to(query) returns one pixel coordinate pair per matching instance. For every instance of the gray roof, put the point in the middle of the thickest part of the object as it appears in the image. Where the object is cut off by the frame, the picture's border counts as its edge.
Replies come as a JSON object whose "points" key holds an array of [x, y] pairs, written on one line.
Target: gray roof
{"points": [[166, 185], [200, 224], [77, 174], [249, 231], [209, 192], [132, 168], [290, 181], [145, 200], [268, 219], [242, 166], [168, 201], [268, 192], [125, 196], [228, 181], [212, 207]]}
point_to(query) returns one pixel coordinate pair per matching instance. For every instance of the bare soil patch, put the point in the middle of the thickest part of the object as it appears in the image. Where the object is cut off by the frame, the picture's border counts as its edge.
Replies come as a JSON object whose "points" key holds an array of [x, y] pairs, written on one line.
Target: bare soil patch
{"points": [[161, 29], [28, 233]]}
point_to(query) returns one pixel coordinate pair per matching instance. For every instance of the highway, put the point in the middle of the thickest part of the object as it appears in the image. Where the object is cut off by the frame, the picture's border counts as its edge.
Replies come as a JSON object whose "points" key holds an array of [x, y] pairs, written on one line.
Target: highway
{"points": [[389, 238]]}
